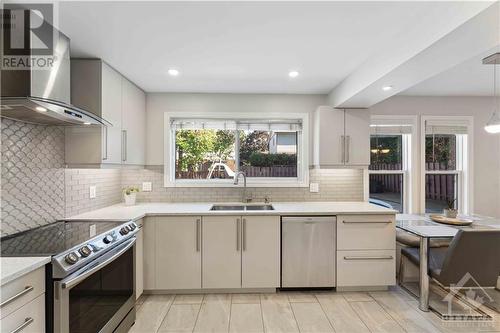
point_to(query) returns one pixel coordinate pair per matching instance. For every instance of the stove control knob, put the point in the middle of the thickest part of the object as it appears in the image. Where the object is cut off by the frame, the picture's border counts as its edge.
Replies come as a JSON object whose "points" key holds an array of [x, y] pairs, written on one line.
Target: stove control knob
{"points": [[85, 251], [131, 227], [108, 239], [124, 231], [71, 258]]}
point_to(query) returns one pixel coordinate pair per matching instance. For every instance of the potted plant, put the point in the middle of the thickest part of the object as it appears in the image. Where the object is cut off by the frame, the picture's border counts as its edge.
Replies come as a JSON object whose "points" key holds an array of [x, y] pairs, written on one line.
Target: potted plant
{"points": [[130, 193], [450, 211]]}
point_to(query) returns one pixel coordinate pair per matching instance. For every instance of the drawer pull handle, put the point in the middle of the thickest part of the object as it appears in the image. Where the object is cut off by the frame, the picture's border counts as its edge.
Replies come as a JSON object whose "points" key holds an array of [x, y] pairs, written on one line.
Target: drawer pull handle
{"points": [[26, 290], [21, 327], [369, 258], [379, 222]]}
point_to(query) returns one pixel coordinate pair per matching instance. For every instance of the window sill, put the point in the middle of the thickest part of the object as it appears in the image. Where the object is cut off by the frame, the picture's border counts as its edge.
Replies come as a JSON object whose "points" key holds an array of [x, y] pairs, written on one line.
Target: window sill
{"points": [[230, 184]]}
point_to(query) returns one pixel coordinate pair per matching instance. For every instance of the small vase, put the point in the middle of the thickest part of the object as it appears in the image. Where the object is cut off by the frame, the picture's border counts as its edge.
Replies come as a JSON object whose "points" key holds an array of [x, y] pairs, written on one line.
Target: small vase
{"points": [[450, 213], [130, 199]]}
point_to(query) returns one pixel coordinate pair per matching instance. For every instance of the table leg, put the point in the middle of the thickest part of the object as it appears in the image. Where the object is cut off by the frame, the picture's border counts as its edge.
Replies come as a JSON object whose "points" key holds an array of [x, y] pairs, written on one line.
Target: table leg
{"points": [[424, 277]]}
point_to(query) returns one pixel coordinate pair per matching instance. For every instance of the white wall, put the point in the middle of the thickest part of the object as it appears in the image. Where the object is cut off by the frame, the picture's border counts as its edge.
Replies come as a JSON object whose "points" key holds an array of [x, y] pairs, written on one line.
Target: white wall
{"points": [[486, 147], [159, 103]]}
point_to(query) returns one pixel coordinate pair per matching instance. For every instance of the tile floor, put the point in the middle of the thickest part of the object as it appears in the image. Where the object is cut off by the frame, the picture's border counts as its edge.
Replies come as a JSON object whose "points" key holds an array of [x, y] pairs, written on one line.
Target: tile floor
{"points": [[382, 311]]}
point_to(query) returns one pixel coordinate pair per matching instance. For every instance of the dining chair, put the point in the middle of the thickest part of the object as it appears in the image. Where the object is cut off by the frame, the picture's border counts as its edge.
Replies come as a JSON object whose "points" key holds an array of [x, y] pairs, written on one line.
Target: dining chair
{"points": [[475, 251]]}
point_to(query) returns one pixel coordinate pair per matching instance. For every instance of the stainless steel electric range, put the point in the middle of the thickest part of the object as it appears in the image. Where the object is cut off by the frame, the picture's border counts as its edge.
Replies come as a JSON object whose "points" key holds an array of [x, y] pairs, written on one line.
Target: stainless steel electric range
{"points": [[91, 279]]}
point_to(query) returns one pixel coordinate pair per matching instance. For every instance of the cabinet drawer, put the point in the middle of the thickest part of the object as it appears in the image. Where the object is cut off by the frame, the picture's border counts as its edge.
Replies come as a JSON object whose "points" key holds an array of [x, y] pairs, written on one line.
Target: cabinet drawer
{"points": [[366, 232], [22, 290], [366, 268], [29, 318]]}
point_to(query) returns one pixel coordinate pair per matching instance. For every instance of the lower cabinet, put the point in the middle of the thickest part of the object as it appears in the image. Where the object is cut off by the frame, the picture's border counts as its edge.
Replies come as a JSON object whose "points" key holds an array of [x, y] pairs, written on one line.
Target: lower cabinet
{"points": [[366, 268], [30, 318], [221, 252], [178, 252], [241, 252], [211, 252], [139, 260], [260, 255]]}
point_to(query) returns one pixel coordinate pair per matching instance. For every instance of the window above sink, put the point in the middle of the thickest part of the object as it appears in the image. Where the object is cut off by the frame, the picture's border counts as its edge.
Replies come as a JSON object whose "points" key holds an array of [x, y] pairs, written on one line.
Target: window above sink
{"points": [[207, 149]]}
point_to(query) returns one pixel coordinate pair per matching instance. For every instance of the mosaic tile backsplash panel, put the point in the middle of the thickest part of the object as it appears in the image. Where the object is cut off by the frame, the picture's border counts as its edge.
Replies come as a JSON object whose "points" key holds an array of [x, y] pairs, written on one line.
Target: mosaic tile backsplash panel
{"points": [[32, 175]]}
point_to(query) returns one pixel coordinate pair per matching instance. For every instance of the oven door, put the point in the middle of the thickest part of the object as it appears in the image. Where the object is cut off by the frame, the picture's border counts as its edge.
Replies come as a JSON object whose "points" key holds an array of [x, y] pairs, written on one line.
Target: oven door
{"points": [[99, 297]]}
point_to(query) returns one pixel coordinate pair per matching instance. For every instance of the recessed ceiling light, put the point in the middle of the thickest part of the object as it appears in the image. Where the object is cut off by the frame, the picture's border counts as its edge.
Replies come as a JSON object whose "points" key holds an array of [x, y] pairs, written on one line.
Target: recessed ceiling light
{"points": [[387, 88], [86, 123], [293, 74], [173, 72], [41, 109]]}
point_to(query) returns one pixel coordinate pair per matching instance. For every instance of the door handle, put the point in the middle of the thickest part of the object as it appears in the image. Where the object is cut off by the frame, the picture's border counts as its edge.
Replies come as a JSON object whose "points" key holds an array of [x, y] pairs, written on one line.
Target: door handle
{"points": [[124, 145], [368, 258], [238, 234], [25, 324], [198, 222], [105, 146], [374, 222], [244, 241], [26, 290], [342, 143], [348, 143]]}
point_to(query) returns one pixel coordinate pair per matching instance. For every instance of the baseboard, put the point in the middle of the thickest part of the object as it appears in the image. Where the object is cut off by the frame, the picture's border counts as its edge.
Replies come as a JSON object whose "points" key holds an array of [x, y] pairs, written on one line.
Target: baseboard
{"points": [[210, 291], [363, 288]]}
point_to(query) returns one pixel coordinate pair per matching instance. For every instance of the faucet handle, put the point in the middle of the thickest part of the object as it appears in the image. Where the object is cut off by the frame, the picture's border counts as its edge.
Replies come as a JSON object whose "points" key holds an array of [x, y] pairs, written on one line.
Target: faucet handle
{"points": [[267, 199]]}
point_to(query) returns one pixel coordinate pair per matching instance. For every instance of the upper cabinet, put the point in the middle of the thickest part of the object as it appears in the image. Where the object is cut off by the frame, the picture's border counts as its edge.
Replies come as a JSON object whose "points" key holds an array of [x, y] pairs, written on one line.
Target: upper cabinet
{"points": [[341, 137], [98, 88]]}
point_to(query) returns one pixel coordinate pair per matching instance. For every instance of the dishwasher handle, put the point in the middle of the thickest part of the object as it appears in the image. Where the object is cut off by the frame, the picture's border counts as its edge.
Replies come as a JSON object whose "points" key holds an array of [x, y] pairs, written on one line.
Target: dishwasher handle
{"points": [[309, 219]]}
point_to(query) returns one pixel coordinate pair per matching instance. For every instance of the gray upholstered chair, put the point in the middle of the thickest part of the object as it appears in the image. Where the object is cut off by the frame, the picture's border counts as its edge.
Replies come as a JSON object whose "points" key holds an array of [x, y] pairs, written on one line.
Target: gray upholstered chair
{"points": [[475, 251]]}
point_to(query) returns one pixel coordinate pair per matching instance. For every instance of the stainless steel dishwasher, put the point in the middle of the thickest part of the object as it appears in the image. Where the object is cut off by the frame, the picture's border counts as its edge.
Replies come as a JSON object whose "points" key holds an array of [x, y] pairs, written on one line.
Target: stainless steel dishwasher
{"points": [[308, 251]]}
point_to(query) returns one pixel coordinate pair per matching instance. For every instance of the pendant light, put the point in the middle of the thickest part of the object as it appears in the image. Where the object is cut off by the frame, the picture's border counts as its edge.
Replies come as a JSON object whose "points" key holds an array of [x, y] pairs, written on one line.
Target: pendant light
{"points": [[493, 125]]}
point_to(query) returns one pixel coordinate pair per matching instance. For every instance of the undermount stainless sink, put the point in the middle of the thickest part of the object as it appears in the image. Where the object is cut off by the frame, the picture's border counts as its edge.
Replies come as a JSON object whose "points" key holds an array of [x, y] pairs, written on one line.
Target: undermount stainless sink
{"points": [[242, 207]]}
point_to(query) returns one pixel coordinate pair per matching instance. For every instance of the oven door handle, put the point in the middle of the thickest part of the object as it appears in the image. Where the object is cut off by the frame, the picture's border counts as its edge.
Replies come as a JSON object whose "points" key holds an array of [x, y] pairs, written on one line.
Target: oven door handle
{"points": [[72, 281]]}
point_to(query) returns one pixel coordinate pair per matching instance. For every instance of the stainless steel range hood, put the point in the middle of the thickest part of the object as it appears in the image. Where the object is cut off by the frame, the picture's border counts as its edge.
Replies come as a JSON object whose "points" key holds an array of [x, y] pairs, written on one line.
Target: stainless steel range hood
{"points": [[41, 95]]}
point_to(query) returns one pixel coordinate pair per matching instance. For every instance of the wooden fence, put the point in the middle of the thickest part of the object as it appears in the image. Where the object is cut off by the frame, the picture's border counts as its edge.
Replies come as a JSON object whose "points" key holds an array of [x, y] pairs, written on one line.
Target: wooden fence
{"points": [[250, 171], [437, 186]]}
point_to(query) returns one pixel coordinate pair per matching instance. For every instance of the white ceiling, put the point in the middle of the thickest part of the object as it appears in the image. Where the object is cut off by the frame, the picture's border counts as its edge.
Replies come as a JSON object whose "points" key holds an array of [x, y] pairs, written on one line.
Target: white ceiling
{"points": [[245, 47], [470, 78]]}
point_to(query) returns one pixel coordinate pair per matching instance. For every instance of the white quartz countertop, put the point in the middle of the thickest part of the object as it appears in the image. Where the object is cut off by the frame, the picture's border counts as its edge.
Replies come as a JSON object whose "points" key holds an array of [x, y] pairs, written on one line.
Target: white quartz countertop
{"points": [[120, 212], [15, 267]]}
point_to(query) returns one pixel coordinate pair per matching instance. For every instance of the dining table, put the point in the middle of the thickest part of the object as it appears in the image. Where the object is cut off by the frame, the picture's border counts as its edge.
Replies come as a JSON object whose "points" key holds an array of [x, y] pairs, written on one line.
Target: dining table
{"points": [[425, 228]]}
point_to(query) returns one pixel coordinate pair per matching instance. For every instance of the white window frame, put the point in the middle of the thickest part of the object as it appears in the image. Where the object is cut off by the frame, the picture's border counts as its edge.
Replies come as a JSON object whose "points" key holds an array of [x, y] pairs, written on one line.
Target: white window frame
{"points": [[464, 163], [302, 179], [408, 156]]}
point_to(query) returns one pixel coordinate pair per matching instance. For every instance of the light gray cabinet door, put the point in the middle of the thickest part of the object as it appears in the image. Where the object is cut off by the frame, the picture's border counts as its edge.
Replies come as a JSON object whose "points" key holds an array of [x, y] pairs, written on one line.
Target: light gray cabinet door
{"points": [[112, 112], [328, 146], [178, 252], [221, 252], [260, 256], [139, 260], [149, 248], [133, 124], [357, 137]]}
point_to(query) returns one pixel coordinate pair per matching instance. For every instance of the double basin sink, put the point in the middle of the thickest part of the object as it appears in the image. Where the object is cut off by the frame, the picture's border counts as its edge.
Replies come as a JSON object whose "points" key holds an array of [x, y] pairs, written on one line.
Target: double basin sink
{"points": [[241, 207]]}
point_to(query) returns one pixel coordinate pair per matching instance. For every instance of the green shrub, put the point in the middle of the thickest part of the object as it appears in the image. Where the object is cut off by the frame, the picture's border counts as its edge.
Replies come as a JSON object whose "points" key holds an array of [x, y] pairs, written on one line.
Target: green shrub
{"points": [[267, 160]]}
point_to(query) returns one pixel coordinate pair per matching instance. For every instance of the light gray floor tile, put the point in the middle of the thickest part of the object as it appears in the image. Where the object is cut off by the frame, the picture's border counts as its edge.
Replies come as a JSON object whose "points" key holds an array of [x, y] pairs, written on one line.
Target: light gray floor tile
{"points": [[301, 297], [311, 318], [214, 314], [245, 299], [357, 297], [341, 315], [375, 317], [277, 314], [188, 299], [246, 318], [180, 318], [151, 313]]}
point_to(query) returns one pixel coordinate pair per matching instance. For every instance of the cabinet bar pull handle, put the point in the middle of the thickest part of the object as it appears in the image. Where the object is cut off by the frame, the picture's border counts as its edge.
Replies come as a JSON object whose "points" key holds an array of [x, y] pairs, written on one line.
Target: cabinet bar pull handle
{"points": [[26, 290], [244, 234], [369, 258], [348, 142], [105, 129], [237, 234], [198, 222], [374, 222], [124, 145], [342, 143], [21, 327]]}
